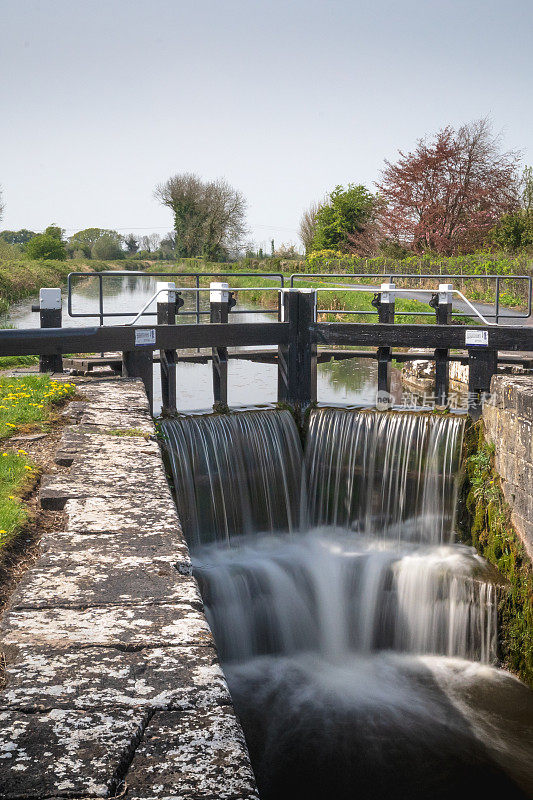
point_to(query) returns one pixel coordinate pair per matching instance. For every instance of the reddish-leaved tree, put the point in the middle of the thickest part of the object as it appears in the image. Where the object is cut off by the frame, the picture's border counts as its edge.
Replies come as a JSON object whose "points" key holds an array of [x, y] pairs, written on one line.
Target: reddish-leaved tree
{"points": [[447, 194]]}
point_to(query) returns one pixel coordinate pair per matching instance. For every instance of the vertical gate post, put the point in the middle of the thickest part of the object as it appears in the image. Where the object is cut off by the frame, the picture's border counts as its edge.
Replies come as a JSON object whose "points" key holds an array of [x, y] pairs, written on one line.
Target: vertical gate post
{"points": [[442, 302], [50, 317], [482, 365], [288, 312], [166, 315], [220, 303], [139, 363], [297, 360], [384, 301]]}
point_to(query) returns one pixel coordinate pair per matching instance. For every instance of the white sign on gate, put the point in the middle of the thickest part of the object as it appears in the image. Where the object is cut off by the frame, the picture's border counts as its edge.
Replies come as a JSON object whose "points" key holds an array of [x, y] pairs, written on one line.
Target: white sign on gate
{"points": [[476, 338], [145, 336]]}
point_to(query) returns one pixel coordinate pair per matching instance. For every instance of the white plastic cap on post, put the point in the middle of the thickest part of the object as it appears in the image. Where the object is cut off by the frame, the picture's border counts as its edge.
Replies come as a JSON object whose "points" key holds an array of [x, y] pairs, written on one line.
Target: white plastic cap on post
{"points": [[282, 293], [168, 293], [50, 299], [387, 292], [218, 292], [445, 293]]}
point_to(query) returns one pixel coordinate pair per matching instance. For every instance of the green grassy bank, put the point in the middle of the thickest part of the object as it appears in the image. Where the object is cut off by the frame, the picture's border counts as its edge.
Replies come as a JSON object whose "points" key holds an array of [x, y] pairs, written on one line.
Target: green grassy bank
{"points": [[26, 405], [485, 523]]}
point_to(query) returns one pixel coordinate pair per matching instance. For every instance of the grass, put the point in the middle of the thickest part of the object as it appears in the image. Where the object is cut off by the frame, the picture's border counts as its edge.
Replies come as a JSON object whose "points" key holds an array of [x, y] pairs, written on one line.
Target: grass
{"points": [[128, 432], [25, 403], [10, 362], [28, 401], [16, 474]]}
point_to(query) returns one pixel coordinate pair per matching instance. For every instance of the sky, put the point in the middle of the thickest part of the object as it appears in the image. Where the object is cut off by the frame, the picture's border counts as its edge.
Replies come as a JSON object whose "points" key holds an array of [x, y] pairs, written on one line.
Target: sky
{"points": [[100, 102]]}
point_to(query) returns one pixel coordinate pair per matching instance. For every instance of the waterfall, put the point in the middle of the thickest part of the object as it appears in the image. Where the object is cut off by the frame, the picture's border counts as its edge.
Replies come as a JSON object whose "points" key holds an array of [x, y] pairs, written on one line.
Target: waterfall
{"points": [[235, 474], [337, 597], [389, 473]]}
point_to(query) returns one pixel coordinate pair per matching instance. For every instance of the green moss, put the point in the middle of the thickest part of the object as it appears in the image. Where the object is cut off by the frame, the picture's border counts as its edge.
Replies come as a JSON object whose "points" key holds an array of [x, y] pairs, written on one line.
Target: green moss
{"points": [[128, 432], [485, 523]]}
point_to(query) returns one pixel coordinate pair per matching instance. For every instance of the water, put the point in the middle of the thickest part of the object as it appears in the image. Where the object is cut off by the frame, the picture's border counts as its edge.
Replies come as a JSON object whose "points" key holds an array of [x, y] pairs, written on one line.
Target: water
{"points": [[348, 382], [360, 644]]}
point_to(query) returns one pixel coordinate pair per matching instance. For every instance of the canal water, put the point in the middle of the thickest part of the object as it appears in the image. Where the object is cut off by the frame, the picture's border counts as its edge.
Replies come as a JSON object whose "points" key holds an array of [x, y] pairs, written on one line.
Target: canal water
{"points": [[358, 637], [349, 382]]}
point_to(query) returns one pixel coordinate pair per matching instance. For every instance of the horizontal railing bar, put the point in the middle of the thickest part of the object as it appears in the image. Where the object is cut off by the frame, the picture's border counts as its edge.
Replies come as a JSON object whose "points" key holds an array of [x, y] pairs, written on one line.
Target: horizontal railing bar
{"points": [[403, 275], [47, 341], [441, 336]]}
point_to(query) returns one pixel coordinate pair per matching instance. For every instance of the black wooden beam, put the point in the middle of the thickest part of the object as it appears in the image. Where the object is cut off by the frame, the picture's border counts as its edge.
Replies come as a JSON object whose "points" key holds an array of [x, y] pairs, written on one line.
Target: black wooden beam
{"points": [[431, 336], [126, 338]]}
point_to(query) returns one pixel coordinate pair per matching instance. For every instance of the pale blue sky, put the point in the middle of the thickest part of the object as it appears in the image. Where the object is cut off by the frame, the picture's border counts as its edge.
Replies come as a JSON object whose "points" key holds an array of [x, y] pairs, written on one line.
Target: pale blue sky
{"points": [[101, 101]]}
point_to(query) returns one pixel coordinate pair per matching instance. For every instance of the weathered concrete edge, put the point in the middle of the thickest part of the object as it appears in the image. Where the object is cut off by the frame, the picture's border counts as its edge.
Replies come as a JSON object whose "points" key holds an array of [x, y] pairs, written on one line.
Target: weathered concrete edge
{"points": [[75, 675], [508, 423]]}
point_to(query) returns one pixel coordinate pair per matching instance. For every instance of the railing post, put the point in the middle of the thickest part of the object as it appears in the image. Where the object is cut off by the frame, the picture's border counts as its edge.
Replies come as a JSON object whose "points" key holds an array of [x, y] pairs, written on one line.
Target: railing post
{"points": [[220, 302], [384, 302], [167, 307], [482, 365], [442, 303], [139, 363], [49, 309], [297, 361]]}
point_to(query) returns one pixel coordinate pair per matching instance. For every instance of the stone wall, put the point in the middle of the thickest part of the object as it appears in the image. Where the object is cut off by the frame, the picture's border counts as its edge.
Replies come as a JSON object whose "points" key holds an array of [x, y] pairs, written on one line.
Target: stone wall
{"points": [[113, 686], [509, 425]]}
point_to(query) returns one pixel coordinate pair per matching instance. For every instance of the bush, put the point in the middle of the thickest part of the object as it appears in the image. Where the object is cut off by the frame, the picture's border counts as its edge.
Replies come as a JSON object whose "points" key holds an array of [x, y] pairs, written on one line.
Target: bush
{"points": [[46, 246]]}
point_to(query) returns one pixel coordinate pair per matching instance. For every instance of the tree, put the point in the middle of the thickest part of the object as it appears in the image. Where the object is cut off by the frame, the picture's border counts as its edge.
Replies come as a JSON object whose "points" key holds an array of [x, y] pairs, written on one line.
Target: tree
{"points": [[131, 243], [151, 242], [527, 190], [17, 237], [515, 231], [343, 218], [448, 194], [2, 205], [208, 216], [107, 247], [46, 246], [308, 226], [55, 232], [87, 238]]}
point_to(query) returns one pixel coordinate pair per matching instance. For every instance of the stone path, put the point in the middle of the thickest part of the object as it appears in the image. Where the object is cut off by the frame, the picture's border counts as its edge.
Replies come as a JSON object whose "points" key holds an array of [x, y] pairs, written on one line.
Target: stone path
{"points": [[113, 684]]}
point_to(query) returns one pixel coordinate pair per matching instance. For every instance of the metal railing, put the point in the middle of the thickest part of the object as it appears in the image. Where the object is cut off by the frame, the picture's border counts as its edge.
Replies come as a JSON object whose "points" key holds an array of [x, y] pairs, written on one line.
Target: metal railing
{"points": [[392, 277], [101, 314]]}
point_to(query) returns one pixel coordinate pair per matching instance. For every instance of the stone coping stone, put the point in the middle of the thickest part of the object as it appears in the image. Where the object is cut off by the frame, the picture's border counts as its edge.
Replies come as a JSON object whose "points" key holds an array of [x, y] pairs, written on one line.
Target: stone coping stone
{"points": [[78, 753], [192, 755], [56, 489], [100, 514], [108, 626], [112, 420], [115, 394], [40, 678], [81, 571]]}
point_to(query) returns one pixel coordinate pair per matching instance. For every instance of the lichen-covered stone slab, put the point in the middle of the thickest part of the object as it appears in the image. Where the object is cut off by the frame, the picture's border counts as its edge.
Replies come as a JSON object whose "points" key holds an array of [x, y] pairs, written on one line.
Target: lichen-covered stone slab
{"points": [[131, 513], [81, 441], [122, 482], [66, 752], [117, 420], [116, 394], [109, 626], [101, 677], [82, 571], [192, 755]]}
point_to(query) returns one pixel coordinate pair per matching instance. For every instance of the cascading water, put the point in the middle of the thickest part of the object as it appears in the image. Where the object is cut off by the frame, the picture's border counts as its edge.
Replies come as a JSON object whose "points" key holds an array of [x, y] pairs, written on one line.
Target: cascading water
{"points": [[352, 630]]}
